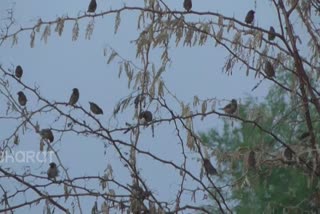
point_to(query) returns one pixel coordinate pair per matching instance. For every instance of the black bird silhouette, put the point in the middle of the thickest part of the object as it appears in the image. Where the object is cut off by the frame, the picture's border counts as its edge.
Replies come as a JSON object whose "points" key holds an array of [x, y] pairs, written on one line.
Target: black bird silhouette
{"points": [[252, 159], [95, 108], [145, 117], [187, 4], [209, 167], [53, 171], [19, 71], [22, 99], [271, 34], [231, 108], [47, 134], [268, 69], [304, 136], [92, 6], [249, 17], [74, 97], [287, 154]]}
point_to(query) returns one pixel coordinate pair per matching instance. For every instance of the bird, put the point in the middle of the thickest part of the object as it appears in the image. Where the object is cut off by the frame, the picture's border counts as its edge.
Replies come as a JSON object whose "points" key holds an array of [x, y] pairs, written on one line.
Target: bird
{"points": [[249, 17], [53, 171], [287, 154], [19, 71], [252, 159], [74, 97], [231, 108], [47, 134], [268, 69], [145, 117], [304, 136], [187, 4], [22, 99], [271, 34], [208, 167], [92, 6], [95, 108]]}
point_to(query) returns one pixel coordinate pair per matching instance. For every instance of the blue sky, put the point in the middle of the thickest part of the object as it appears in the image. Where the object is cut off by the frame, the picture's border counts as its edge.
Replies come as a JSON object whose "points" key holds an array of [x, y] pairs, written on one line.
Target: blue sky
{"points": [[63, 64]]}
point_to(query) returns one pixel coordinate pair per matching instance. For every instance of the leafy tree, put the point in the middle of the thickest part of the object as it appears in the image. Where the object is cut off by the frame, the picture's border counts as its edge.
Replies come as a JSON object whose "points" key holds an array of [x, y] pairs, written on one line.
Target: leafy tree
{"points": [[155, 161], [276, 181]]}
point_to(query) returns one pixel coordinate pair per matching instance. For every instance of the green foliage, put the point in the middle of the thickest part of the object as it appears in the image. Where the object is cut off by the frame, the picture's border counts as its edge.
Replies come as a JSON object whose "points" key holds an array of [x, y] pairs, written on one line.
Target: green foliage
{"points": [[275, 185]]}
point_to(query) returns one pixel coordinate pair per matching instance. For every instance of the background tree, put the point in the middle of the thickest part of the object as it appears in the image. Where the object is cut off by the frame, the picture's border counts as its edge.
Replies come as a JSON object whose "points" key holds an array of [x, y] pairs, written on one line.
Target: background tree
{"points": [[114, 156], [273, 180]]}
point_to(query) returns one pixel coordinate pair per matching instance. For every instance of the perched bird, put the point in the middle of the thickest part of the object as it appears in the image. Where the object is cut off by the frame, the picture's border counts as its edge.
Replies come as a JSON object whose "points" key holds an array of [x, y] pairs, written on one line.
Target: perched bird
{"points": [[271, 34], [208, 167], [47, 134], [287, 154], [251, 159], [92, 6], [268, 69], [304, 136], [22, 99], [74, 97], [187, 4], [95, 108], [231, 108], [145, 117], [249, 17], [53, 171], [19, 71]]}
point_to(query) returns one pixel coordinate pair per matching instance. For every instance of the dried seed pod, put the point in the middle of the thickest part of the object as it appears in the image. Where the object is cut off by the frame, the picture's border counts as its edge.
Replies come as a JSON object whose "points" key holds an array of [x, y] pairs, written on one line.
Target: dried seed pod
{"points": [[138, 100], [139, 193]]}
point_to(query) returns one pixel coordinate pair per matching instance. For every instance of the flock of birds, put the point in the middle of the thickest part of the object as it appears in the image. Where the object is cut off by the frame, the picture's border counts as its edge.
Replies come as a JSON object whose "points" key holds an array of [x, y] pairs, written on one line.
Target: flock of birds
{"points": [[145, 116], [22, 99], [268, 67], [47, 134]]}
